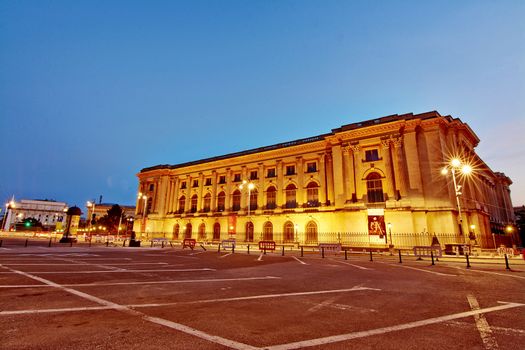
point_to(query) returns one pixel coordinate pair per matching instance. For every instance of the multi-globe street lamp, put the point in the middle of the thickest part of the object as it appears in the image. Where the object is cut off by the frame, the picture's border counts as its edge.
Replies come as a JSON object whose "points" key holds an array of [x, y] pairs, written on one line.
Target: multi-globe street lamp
{"points": [[456, 165], [145, 199], [8, 205], [90, 205], [250, 187]]}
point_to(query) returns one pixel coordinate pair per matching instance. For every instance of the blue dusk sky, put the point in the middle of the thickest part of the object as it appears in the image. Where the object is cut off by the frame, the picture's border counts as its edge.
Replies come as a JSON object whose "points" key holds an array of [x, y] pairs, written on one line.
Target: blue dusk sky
{"points": [[93, 91]]}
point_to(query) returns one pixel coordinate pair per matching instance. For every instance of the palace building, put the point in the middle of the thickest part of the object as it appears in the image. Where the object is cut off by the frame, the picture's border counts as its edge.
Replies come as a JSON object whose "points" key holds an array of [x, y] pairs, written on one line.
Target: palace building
{"points": [[400, 180]]}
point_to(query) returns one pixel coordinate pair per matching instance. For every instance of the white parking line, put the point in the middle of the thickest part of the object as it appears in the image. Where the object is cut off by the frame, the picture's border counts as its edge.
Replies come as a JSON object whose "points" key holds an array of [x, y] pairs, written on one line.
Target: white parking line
{"points": [[302, 262], [260, 257], [97, 284], [422, 270], [485, 332], [225, 255], [112, 271], [490, 273], [346, 263], [383, 330], [177, 326], [84, 263]]}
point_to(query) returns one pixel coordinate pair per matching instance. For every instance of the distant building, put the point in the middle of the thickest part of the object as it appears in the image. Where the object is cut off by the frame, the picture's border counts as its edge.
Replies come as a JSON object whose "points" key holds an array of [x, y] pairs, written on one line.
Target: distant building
{"points": [[51, 214], [520, 223], [376, 182], [101, 209]]}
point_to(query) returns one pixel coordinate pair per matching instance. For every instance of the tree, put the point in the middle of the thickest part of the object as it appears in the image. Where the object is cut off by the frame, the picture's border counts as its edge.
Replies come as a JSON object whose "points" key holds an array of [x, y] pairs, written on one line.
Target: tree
{"points": [[112, 219]]}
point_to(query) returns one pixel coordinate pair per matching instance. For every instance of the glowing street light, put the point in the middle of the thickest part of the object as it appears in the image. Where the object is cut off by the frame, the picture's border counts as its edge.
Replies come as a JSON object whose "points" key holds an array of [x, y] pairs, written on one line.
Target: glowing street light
{"points": [[8, 205], [250, 187], [145, 199], [454, 166], [90, 205]]}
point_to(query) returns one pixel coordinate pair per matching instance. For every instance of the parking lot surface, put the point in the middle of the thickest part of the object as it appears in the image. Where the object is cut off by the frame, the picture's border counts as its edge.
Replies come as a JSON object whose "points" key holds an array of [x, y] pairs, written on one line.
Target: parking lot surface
{"points": [[82, 297]]}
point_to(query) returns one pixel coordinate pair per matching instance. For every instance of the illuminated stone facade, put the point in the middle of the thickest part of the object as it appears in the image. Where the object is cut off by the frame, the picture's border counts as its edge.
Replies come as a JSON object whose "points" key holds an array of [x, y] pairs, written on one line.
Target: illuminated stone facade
{"points": [[376, 182]]}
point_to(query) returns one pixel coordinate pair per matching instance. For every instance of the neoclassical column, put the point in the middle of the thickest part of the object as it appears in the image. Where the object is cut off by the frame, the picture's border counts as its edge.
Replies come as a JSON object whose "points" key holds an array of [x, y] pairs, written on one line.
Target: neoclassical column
{"points": [[322, 179], [348, 174], [337, 178], [229, 180], [399, 167], [357, 171], [175, 196], [187, 203], [199, 194], [300, 197], [280, 182], [244, 191], [390, 178], [213, 205], [260, 188]]}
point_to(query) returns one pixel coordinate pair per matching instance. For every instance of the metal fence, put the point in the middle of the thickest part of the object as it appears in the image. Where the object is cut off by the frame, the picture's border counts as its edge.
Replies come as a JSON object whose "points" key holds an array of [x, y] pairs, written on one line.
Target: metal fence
{"points": [[349, 239]]}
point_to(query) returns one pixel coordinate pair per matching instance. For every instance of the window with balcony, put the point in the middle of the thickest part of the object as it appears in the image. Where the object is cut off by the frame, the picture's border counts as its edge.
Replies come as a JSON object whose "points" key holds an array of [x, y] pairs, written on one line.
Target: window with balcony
{"points": [[290, 193], [271, 194], [207, 203], [221, 201], [193, 207], [312, 195], [253, 199], [374, 188], [236, 200], [182, 204], [183, 184]]}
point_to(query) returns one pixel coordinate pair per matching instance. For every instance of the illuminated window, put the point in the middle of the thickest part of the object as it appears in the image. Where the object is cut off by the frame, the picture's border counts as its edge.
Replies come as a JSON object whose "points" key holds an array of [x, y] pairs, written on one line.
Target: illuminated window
{"points": [[187, 231], [216, 231], [311, 232], [176, 229], [207, 203], [374, 188], [249, 231], [202, 231], [193, 208]]}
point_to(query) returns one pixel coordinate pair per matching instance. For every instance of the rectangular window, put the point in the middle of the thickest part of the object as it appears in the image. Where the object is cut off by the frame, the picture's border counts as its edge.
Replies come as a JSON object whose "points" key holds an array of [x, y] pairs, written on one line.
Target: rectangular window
{"points": [[183, 184], [253, 175], [195, 183], [371, 155], [311, 167], [222, 179], [208, 182], [237, 178], [151, 187], [290, 170], [270, 172]]}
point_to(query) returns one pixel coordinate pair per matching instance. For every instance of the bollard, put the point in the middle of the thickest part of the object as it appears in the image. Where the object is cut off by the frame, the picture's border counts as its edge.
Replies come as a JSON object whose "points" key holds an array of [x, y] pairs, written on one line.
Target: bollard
{"points": [[371, 255], [507, 267], [49, 244], [468, 262], [282, 254], [302, 252], [151, 244], [219, 248], [162, 244], [400, 261], [107, 243], [233, 248], [124, 243], [264, 250], [1, 240], [71, 243], [322, 252], [432, 256], [26, 242], [89, 241], [346, 256], [248, 249]]}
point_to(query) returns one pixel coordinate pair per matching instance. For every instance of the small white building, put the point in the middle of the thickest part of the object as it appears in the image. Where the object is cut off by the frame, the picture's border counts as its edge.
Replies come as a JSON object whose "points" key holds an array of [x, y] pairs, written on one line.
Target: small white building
{"points": [[50, 213]]}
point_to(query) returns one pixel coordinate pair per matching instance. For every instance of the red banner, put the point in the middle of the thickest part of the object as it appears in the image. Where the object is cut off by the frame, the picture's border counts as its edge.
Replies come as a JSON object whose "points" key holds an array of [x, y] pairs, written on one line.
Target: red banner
{"points": [[376, 225]]}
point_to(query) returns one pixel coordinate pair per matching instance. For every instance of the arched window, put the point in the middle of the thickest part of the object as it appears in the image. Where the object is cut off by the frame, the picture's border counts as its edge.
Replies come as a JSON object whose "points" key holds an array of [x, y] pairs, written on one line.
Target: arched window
{"points": [[176, 229], [236, 200], [193, 208], [202, 231], [207, 203], [312, 195], [311, 232], [249, 231], [374, 188], [216, 231], [182, 204], [290, 196], [288, 231], [187, 231], [270, 197], [253, 199], [268, 231], [221, 200]]}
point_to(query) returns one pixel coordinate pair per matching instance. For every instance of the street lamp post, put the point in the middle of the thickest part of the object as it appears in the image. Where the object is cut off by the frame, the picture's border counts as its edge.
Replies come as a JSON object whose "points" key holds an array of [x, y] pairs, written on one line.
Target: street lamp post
{"points": [[90, 205], [250, 186], [8, 206], [454, 166], [144, 209]]}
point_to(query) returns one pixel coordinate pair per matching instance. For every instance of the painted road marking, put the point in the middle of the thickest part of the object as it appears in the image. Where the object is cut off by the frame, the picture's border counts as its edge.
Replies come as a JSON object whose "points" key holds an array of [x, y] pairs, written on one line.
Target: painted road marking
{"points": [[417, 269], [346, 263], [491, 273], [114, 271], [84, 263], [482, 324], [302, 262], [260, 257], [262, 296], [505, 330], [225, 255], [383, 330], [177, 326]]}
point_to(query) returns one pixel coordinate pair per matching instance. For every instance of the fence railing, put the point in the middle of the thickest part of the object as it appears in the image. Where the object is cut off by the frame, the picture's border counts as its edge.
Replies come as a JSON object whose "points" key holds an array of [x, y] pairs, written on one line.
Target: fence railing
{"points": [[399, 240]]}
